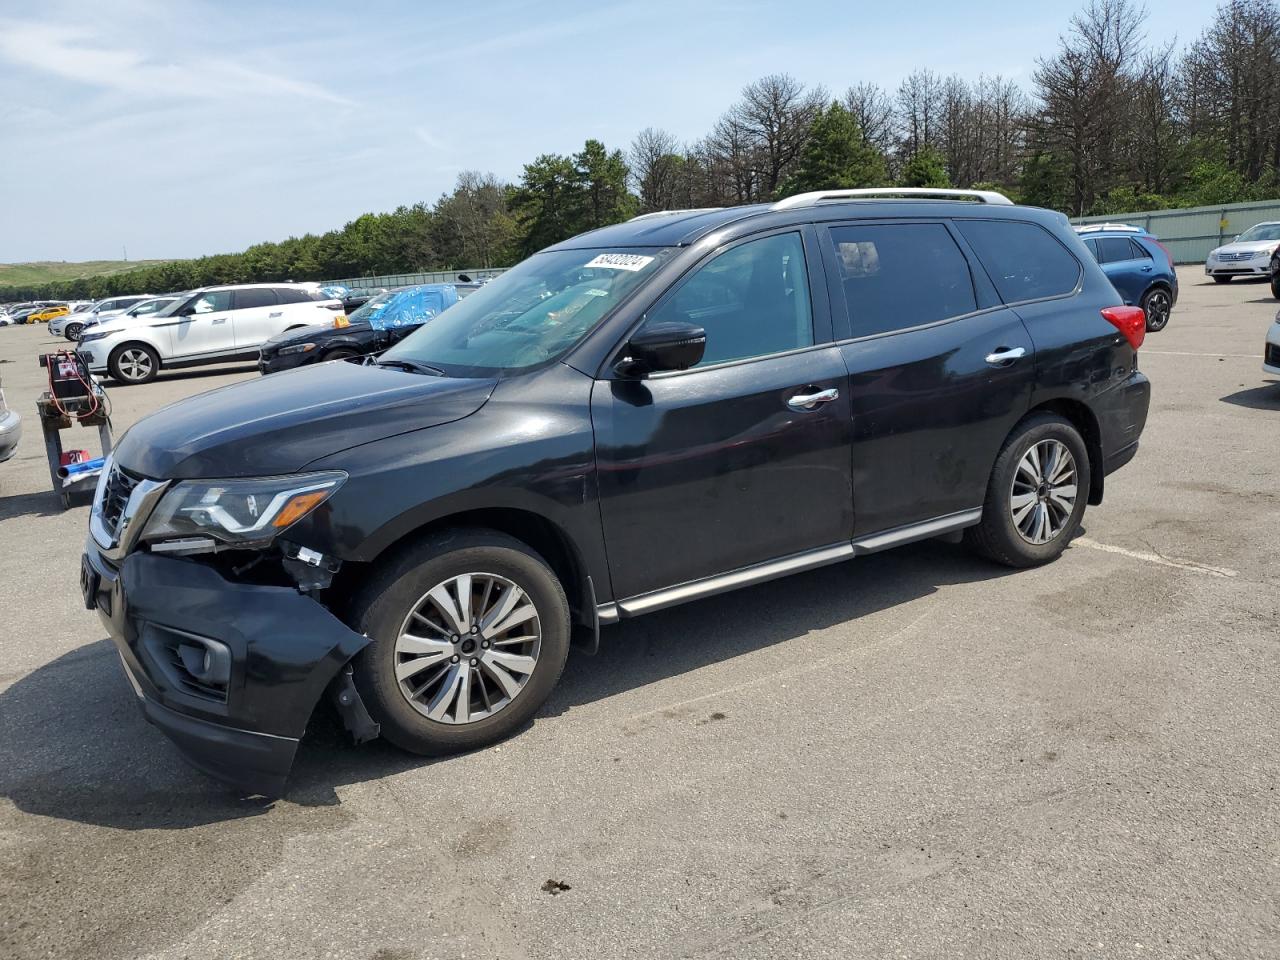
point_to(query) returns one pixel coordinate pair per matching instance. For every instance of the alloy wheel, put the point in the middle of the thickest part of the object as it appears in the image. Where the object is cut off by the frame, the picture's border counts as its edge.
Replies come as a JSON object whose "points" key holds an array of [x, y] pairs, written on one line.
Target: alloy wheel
{"points": [[1159, 306], [1043, 495], [467, 648], [135, 364]]}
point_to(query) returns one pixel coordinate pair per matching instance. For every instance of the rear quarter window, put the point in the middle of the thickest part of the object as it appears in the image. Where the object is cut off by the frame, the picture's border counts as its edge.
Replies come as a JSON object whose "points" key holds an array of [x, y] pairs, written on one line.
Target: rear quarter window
{"points": [[1024, 260]]}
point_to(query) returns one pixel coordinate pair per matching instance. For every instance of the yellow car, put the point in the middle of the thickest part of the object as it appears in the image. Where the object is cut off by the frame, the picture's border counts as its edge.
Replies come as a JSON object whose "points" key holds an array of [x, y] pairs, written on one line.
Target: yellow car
{"points": [[47, 314]]}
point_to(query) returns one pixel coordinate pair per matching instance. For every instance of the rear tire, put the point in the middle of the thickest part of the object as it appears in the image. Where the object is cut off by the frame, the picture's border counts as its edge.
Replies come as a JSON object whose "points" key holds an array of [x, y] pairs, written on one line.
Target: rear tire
{"points": [[419, 650], [1035, 501], [1157, 304], [1218, 279], [134, 363]]}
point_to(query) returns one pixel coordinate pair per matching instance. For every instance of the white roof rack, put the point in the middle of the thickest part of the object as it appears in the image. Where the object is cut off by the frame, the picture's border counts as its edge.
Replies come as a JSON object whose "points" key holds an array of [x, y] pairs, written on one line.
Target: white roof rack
{"points": [[872, 193], [1113, 227], [672, 213]]}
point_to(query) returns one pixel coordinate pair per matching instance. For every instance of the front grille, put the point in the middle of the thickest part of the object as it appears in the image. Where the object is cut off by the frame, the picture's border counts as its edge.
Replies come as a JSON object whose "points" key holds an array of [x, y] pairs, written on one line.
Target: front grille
{"points": [[1234, 257], [115, 497]]}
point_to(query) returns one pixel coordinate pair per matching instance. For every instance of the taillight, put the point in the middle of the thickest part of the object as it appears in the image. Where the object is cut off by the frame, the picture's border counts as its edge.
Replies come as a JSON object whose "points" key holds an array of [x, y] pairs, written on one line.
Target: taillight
{"points": [[1166, 250], [1130, 321]]}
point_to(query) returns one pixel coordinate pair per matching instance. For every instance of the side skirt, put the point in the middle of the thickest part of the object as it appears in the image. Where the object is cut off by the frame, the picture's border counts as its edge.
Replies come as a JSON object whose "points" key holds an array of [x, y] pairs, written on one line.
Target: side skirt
{"points": [[796, 563]]}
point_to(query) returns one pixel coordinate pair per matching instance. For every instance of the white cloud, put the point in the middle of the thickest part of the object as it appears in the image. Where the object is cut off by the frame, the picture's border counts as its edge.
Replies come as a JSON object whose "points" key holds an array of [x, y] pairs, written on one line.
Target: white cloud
{"points": [[75, 54]]}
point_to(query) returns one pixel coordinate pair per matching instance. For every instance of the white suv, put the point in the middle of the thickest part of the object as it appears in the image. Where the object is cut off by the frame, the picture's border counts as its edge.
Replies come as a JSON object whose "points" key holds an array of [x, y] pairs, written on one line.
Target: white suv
{"points": [[70, 324], [209, 325]]}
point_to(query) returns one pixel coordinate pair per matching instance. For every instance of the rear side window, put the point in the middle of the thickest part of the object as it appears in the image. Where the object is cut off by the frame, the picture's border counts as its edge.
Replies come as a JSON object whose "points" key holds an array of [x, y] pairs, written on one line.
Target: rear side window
{"points": [[294, 295], [1024, 260], [1115, 249], [1137, 251], [752, 300], [901, 275], [254, 297]]}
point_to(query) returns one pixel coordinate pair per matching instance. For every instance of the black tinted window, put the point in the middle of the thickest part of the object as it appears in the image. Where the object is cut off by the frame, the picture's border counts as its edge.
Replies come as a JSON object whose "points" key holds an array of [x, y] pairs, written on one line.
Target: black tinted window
{"points": [[901, 275], [753, 300], [1137, 252], [254, 297], [1114, 249], [293, 295], [1024, 260]]}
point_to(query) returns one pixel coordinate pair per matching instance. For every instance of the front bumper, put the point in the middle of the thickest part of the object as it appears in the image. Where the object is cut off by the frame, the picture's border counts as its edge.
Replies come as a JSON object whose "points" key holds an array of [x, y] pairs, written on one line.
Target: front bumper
{"points": [[275, 363], [1271, 350], [1238, 268], [10, 433], [285, 650]]}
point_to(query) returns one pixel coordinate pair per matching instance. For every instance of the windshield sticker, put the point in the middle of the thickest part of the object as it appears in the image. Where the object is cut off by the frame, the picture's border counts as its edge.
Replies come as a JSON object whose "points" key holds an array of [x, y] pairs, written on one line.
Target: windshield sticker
{"points": [[621, 261]]}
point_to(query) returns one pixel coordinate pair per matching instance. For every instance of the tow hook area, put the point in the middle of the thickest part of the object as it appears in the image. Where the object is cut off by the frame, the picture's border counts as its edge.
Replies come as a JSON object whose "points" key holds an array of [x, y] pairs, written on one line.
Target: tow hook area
{"points": [[355, 717]]}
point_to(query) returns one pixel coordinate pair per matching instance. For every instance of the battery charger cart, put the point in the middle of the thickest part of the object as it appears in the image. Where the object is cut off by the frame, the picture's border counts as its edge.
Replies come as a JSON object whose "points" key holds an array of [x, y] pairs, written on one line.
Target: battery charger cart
{"points": [[73, 397]]}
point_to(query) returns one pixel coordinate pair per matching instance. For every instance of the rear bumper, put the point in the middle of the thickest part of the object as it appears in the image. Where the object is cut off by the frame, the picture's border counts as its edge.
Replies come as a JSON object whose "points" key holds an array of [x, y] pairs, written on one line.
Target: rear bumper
{"points": [[285, 648], [10, 433], [1122, 415]]}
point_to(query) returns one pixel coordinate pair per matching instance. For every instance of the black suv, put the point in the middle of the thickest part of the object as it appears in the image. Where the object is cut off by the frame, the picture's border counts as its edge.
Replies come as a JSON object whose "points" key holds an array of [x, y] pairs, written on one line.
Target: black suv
{"points": [[646, 414]]}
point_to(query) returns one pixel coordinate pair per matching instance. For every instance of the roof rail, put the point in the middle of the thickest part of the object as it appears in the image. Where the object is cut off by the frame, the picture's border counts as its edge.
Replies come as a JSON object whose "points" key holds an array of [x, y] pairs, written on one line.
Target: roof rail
{"points": [[672, 213], [1113, 227], [871, 193]]}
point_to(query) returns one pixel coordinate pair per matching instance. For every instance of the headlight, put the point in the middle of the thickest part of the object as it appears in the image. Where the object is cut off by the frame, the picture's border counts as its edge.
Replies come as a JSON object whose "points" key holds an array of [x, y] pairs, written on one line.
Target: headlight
{"points": [[242, 513], [296, 348], [89, 337]]}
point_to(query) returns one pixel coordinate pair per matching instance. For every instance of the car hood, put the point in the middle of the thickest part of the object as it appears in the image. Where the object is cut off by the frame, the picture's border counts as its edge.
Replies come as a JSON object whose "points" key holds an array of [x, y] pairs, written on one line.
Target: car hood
{"points": [[315, 330], [277, 425], [1251, 246]]}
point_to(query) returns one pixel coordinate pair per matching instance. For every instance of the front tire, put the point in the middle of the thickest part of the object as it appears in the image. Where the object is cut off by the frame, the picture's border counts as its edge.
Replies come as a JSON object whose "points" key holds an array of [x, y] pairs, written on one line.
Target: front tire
{"points": [[134, 363], [1036, 495], [73, 331], [469, 634], [1157, 304]]}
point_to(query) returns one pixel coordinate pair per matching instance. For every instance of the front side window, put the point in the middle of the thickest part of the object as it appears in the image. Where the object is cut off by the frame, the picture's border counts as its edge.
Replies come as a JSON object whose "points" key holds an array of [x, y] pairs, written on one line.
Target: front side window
{"points": [[752, 300], [901, 275], [215, 301], [1024, 260], [532, 314]]}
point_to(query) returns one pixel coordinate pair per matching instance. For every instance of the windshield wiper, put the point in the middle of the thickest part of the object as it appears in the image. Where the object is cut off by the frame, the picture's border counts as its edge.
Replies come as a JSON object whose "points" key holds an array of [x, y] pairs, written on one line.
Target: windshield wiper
{"points": [[413, 366]]}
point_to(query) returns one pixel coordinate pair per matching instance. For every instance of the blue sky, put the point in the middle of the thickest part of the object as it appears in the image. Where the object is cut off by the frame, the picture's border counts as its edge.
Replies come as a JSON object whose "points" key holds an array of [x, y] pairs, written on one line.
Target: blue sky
{"points": [[177, 128]]}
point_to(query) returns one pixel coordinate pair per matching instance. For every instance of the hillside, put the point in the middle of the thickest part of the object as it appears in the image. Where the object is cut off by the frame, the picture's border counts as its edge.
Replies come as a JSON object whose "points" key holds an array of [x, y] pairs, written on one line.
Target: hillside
{"points": [[29, 274]]}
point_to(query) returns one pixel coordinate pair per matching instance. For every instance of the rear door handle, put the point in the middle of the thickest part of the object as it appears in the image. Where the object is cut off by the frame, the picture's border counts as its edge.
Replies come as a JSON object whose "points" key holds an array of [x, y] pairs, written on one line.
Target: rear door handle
{"points": [[272, 316], [811, 401], [1003, 356], [221, 320]]}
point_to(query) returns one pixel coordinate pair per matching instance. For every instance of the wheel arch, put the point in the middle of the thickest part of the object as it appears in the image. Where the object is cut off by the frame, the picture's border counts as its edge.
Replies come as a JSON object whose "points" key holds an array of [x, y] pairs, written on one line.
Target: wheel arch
{"points": [[542, 535], [1082, 418]]}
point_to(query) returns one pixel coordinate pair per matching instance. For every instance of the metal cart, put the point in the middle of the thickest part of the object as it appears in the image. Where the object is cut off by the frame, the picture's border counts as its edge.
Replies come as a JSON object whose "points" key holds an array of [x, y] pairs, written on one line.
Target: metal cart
{"points": [[52, 422]]}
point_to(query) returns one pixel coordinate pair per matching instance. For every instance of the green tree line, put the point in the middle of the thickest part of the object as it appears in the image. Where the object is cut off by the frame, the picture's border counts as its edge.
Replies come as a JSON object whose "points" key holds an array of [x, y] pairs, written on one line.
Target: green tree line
{"points": [[1111, 124]]}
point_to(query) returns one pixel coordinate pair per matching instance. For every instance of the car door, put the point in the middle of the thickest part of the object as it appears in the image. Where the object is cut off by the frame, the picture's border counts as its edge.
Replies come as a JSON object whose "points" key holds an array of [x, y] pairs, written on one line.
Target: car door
{"points": [[938, 370], [1127, 266], [743, 458], [257, 316], [203, 327]]}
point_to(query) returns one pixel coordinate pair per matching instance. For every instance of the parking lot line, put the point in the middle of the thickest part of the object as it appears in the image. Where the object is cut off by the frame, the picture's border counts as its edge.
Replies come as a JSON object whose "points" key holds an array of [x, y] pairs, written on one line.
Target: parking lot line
{"points": [[1185, 353], [1149, 557]]}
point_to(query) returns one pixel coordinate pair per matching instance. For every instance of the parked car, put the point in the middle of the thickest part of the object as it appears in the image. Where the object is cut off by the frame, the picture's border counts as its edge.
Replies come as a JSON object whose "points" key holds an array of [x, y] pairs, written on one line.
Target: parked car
{"points": [[1275, 273], [381, 322], [45, 314], [1271, 349], [1138, 265], [1248, 255], [143, 309], [10, 429], [645, 414], [211, 325], [11, 310], [20, 316], [70, 325]]}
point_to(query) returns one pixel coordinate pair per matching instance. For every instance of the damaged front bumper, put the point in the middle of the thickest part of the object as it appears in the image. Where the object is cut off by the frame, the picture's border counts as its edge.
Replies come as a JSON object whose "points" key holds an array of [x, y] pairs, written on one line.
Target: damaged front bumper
{"points": [[229, 671]]}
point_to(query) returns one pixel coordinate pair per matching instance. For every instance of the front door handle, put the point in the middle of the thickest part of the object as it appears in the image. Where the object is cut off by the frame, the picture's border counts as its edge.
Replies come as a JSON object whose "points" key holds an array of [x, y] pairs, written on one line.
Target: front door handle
{"points": [[811, 401], [221, 320], [1003, 356]]}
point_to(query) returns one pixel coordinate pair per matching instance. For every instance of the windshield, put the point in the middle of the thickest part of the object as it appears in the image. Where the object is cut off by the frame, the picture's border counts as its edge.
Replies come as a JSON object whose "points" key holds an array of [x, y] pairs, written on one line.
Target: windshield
{"points": [[1263, 231], [370, 307], [530, 315]]}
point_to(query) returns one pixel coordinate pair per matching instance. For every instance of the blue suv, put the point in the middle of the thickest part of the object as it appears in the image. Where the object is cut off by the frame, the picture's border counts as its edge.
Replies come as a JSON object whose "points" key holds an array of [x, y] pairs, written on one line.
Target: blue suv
{"points": [[1138, 265]]}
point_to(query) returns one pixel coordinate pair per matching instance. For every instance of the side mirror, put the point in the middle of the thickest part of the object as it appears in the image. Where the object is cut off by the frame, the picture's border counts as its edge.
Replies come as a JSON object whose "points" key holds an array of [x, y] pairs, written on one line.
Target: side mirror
{"points": [[663, 346], [186, 311], [1235, 238]]}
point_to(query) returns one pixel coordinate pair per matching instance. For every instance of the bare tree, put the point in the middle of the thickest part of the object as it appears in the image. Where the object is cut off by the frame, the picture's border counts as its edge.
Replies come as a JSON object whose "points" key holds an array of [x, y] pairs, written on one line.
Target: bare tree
{"points": [[873, 110], [1080, 89], [920, 106], [655, 159]]}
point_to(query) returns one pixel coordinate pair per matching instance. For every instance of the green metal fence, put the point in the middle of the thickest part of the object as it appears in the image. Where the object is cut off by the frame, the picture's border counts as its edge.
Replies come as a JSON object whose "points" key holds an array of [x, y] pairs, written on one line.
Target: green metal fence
{"points": [[1190, 233]]}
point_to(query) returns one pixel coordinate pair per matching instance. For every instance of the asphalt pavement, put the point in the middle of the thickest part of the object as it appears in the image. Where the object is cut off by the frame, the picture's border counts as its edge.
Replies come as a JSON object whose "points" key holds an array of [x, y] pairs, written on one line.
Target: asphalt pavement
{"points": [[914, 754]]}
